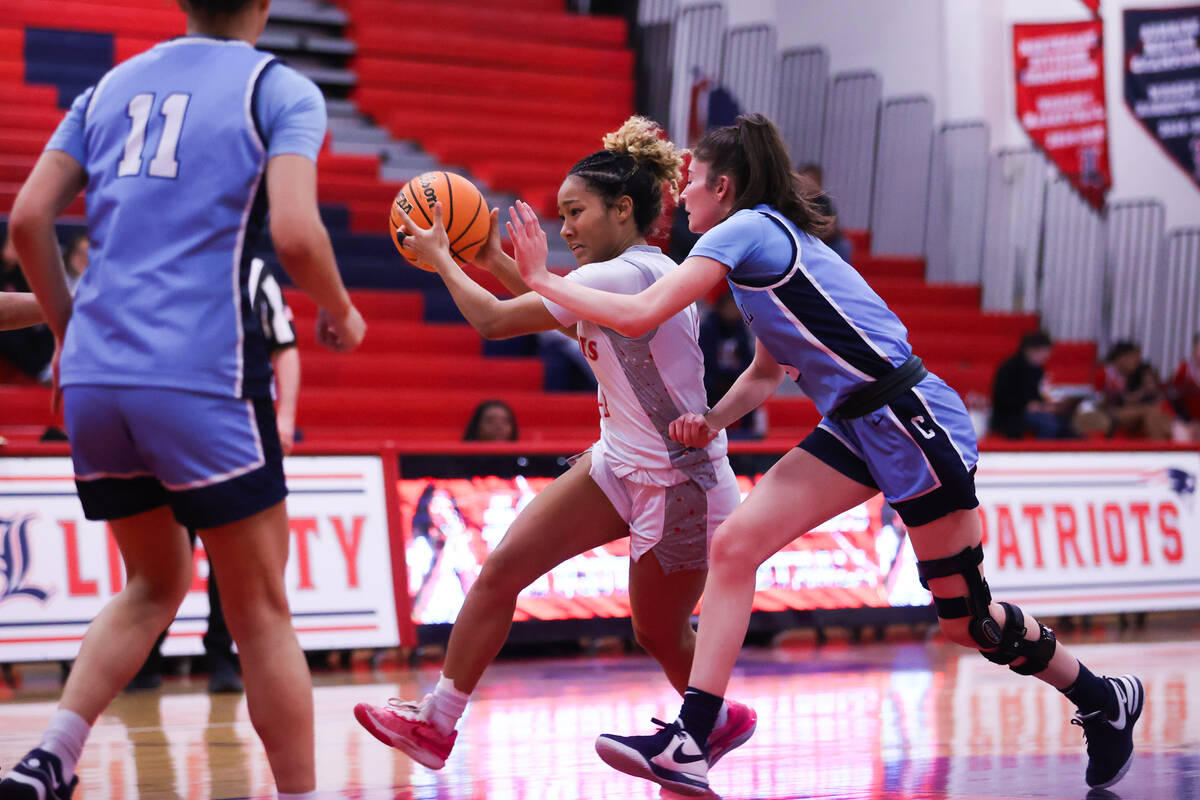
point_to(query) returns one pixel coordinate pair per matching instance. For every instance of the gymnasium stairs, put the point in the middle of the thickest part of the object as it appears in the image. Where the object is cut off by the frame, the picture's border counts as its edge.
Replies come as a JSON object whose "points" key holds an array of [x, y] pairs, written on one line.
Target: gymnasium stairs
{"points": [[482, 87]]}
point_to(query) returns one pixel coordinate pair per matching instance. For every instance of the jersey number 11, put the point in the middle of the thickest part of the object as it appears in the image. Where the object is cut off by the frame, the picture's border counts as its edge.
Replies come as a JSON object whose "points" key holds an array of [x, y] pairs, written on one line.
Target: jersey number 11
{"points": [[163, 165]]}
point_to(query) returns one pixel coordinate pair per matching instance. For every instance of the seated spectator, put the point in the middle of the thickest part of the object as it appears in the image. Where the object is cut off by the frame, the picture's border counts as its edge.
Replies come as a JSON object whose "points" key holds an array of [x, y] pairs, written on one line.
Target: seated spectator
{"points": [[728, 349], [492, 421], [1134, 398], [1185, 389], [813, 178], [1021, 402], [29, 349]]}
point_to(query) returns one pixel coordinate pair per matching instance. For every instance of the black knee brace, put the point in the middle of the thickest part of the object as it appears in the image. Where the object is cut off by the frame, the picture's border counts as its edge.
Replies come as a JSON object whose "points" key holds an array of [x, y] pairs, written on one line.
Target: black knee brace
{"points": [[1002, 645], [983, 629], [1014, 645]]}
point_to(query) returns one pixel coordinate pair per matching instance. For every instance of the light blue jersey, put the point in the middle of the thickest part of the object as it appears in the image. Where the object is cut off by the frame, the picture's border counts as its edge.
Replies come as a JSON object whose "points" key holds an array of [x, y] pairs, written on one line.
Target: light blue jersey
{"points": [[812, 311], [175, 143]]}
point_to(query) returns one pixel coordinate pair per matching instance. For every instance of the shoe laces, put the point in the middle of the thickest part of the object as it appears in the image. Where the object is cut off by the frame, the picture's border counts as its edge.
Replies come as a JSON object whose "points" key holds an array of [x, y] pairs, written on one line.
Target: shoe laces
{"points": [[1088, 721], [670, 729], [408, 708]]}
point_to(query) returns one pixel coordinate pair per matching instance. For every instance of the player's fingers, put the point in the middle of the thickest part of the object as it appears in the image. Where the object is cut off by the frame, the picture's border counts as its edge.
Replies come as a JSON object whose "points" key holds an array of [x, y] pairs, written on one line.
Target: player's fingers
{"points": [[437, 217], [406, 224]]}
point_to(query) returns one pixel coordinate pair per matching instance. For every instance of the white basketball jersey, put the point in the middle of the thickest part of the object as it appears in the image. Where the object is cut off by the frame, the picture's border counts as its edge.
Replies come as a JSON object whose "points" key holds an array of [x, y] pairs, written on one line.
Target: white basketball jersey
{"points": [[647, 382]]}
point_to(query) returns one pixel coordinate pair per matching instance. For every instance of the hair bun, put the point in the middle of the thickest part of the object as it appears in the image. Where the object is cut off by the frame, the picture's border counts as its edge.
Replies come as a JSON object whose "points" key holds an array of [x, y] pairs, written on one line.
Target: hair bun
{"points": [[642, 140]]}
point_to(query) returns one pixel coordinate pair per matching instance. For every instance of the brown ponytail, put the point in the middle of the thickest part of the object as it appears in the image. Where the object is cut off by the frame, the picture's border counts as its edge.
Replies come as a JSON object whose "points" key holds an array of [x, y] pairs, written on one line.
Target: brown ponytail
{"points": [[751, 153]]}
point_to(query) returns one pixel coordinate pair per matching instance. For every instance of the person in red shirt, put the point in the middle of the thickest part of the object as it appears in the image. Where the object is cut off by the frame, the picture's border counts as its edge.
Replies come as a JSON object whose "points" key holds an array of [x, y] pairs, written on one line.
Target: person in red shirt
{"points": [[1185, 388]]}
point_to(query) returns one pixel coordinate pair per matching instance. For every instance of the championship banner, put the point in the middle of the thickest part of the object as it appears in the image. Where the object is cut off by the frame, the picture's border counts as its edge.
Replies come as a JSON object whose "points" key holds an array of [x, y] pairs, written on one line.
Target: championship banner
{"points": [[856, 560], [1061, 103], [1082, 533], [1162, 79], [57, 569]]}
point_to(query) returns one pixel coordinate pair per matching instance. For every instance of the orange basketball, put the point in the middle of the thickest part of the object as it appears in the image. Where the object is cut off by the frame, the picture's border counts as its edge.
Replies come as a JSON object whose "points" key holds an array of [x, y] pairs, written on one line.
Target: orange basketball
{"points": [[464, 213]]}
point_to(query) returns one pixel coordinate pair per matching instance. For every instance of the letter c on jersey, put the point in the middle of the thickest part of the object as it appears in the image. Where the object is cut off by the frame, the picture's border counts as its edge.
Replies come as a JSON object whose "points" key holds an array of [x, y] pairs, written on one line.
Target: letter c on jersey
{"points": [[919, 423]]}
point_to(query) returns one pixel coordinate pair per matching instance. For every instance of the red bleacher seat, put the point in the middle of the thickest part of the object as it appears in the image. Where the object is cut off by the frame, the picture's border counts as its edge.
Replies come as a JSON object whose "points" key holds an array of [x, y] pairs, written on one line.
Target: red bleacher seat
{"points": [[148, 18], [518, 22], [373, 70], [452, 47]]}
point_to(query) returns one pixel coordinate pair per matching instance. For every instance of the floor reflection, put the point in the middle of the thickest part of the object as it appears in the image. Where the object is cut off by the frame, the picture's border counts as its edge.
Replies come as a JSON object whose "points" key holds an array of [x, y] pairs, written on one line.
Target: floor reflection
{"points": [[867, 721]]}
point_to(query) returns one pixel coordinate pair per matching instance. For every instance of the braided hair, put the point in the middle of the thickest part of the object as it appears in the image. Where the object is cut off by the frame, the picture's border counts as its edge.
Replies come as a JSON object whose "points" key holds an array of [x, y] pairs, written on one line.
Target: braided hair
{"points": [[635, 162]]}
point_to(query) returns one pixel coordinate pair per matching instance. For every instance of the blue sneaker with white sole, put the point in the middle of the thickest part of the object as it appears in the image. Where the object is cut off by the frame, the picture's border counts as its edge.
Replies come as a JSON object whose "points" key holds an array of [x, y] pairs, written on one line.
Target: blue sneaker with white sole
{"points": [[1110, 739], [671, 758], [37, 776]]}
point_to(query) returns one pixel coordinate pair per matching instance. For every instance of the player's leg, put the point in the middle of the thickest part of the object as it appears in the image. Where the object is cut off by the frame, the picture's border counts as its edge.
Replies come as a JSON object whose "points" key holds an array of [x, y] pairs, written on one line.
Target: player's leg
{"points": [[797, 494], [158, 573], [221, 459], [662, 603], [950, 562], [932, 452], [158, 569], [249, 557], [569, 517]]}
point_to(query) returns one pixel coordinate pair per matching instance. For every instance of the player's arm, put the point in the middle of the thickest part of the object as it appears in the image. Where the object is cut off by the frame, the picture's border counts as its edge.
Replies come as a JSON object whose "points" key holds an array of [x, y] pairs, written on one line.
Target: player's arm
{"points": [[492, 317], [54, 182], [286, 362], [630, 315], [752, 388], [304, 249], [492, 258], [19, 310]]}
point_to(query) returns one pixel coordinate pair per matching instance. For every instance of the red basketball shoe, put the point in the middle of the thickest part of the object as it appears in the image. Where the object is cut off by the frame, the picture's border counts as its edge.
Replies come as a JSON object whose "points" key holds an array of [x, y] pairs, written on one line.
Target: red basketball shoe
{"points": [[736, 731], [404, 726]]}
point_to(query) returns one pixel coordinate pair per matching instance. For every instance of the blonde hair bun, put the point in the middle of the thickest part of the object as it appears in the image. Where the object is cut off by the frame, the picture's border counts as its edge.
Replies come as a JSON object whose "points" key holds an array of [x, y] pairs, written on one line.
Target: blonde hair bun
{"points": [[642, 140]]}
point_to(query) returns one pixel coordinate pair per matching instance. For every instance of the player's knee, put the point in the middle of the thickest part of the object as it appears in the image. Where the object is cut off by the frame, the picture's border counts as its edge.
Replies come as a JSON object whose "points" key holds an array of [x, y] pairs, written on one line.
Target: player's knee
{"points": [[732, 549], [499, 580], [958, 631], [161, 592]]}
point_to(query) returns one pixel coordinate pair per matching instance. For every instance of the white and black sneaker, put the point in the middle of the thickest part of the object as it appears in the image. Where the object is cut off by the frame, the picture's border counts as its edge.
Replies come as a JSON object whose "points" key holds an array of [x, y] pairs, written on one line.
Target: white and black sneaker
{"points": [[38, 776], [1110, 739], [671, 758]]}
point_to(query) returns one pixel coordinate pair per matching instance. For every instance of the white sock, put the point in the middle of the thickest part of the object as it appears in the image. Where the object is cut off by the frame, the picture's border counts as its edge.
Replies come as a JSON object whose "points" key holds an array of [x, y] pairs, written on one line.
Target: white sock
{"points": [[298, 796], [722, 716], [64, 737], [446, 705]]}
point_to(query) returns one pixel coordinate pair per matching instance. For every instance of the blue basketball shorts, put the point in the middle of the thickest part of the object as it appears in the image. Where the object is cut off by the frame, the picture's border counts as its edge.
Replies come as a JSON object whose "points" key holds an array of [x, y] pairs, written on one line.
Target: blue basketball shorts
{"points": [[214, 460], [919, 450]]}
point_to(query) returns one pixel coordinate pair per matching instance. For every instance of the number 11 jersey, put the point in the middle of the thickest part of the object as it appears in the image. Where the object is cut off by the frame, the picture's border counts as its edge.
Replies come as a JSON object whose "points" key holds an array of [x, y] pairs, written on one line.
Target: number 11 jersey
{"points": [[175, 143]]}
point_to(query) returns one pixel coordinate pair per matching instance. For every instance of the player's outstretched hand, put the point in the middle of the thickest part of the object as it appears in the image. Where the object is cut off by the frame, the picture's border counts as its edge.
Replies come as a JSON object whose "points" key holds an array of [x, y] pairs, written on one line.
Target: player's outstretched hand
{"points": [[489, 255], [529, 243], [343, 333], [692, 430], [429, 244]]}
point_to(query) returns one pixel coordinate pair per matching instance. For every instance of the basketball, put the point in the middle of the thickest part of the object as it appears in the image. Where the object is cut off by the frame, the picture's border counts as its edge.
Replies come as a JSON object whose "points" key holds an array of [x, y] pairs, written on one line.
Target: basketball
{"points": [[464, 211]]}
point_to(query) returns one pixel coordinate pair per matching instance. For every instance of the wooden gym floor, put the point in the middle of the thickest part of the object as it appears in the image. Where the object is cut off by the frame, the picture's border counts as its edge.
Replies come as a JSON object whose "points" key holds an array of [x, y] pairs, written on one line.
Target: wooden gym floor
{"points": [[904, 720]]}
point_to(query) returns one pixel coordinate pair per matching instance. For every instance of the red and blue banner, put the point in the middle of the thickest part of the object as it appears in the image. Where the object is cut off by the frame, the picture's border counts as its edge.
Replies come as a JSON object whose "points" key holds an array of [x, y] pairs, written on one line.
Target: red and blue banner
{"points": [[1162, 80], [1061, 102]]}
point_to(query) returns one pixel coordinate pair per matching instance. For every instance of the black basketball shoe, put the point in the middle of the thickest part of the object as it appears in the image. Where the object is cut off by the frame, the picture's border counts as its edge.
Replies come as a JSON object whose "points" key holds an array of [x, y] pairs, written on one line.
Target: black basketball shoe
{"points": [[38, 776], [1110, 739]]}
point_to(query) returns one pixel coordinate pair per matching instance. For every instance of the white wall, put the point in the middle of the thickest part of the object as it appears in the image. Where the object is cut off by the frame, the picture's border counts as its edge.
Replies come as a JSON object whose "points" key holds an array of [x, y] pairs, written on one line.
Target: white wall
{"points": [[959, 52]]}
